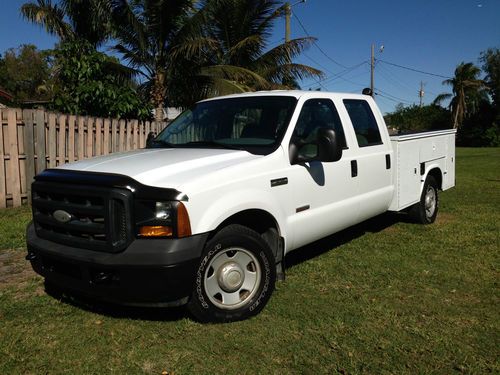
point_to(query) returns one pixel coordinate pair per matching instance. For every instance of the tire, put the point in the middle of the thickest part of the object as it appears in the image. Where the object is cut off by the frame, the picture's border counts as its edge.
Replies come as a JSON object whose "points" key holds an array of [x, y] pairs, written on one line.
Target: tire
{"points": [[235, 277], [425, 211]]}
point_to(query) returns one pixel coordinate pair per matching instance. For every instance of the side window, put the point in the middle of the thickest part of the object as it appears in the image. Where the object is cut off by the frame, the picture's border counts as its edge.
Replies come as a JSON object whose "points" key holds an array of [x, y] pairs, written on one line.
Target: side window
{"points": [[319, 113], [363, 121]]}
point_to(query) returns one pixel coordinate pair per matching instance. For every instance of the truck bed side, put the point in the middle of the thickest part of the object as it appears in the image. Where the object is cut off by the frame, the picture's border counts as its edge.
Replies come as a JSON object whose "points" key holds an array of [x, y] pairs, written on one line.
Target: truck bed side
{"points": [[416, 155]]}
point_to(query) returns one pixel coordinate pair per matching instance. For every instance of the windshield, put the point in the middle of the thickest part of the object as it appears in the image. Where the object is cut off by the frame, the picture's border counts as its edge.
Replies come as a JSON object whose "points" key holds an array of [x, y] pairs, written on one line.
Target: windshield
{"points": [[256, 124]]}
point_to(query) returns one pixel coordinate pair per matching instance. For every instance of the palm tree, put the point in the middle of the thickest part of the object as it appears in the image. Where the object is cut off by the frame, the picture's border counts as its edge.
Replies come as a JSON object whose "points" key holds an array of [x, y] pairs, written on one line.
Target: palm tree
{"points": [[71, 19], [146, 31], [229, 41], [468, 92]]}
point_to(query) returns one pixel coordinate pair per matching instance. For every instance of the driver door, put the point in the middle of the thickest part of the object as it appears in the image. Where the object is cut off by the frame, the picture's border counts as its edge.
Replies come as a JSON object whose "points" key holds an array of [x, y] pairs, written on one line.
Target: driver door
{"points": [[324, 194]]}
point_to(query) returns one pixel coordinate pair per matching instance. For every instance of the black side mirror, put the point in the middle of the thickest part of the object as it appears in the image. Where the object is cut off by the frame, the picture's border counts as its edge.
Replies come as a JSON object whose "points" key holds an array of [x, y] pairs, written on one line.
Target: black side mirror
{"points": [[149, 139], [328, 146]]}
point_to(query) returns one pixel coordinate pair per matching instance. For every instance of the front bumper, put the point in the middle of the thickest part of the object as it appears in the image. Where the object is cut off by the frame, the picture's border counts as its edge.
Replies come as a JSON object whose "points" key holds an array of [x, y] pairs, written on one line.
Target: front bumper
{"points": [[148, 271]]}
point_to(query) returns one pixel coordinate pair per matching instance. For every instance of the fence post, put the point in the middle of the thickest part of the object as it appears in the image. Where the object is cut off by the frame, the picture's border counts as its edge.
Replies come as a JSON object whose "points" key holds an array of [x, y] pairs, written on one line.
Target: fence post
{"points": [[81, 138], [15, 177], [90, 136], [29, 147], [71, 138], [98, 137], [52, 141], [62, 139], [106, 140], [122, 143], [3, 183], [114, 135], [40, 141], [135, 135]]}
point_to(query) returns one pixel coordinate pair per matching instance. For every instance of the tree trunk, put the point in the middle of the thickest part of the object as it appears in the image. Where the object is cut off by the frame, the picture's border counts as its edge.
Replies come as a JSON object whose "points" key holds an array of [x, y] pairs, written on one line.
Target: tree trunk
{"points": [[158, 96], [455, 120], [159, 112]]}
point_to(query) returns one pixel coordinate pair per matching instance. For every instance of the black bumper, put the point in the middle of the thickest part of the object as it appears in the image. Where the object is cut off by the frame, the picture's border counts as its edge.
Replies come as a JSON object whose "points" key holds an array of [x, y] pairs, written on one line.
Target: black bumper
{"points": [[152, 271]]}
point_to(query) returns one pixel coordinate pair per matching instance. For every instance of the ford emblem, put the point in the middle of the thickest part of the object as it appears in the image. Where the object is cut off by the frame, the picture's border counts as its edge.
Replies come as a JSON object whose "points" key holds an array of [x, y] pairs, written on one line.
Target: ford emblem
{"points": [[62, 216]]}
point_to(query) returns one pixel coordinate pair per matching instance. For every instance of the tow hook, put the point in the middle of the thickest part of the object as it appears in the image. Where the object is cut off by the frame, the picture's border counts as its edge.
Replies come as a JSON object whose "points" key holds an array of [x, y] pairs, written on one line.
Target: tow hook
{"points": [[31, 256], [103, 277]]}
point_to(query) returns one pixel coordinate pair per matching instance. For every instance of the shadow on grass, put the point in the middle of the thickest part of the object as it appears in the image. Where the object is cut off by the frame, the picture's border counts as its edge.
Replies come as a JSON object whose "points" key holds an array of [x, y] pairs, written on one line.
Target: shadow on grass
{"points": [[298, 256], [317, 248], [149, 313]]}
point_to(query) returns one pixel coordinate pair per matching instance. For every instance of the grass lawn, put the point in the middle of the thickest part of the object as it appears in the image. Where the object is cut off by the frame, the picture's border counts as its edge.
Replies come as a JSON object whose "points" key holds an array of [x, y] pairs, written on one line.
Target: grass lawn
{"points": [[387, 296]]}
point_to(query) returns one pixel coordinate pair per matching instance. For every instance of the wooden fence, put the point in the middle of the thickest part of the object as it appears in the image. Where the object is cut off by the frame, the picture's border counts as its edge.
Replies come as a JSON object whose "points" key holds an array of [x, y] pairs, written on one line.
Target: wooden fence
{"points": [[33, 140]]}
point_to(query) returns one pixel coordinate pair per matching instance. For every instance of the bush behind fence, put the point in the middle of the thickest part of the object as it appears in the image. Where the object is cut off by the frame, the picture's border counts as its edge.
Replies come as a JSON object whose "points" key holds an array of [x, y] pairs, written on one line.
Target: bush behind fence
{"points": [[33, 140]]}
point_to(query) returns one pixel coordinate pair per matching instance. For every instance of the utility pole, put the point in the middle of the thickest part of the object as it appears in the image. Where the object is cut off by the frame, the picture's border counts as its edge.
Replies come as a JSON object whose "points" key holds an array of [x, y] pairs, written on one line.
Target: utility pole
{"points": [[288, 15], [287, 7], [372, 65], [421, 93]]}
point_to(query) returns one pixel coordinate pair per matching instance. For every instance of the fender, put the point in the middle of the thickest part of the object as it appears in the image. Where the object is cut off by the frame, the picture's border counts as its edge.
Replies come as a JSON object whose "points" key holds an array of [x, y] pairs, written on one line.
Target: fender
{"points": [[430, 166], [230, 204]]}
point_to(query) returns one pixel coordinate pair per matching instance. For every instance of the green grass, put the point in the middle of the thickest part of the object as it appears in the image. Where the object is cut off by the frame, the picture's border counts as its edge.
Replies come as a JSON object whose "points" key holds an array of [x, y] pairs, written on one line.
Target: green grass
{"points": [[390, 297], [13, 222]]}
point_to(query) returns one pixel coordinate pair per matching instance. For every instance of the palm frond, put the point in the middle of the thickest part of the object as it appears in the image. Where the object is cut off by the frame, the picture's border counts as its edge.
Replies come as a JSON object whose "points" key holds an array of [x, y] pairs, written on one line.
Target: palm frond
{"points": [[235, 73], [221, 86], [49, 16], [283, 53], [194, 48], [283, 72], [441, 98]]}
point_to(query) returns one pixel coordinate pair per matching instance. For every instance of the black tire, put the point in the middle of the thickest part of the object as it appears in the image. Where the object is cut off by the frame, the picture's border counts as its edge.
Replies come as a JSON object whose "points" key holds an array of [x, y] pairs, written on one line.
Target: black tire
{"points": [[235, 277], [425, 211]]}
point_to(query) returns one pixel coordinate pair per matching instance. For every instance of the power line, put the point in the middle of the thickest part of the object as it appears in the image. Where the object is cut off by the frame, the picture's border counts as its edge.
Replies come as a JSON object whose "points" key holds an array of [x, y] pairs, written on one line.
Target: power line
{"points": [[392, 100], [340, 75], [317, 45], [390, 96], [414, 70], [394, 80]]}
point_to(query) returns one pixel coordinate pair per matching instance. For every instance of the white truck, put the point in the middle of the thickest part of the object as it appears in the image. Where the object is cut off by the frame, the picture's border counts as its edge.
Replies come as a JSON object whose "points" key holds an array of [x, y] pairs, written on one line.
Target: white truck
{"points": [[206, 214]]}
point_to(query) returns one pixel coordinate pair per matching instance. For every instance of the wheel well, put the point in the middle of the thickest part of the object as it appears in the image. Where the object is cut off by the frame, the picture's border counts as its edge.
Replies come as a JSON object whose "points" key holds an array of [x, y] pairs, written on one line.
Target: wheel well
{"points": [[436, 173], [263, 223]]}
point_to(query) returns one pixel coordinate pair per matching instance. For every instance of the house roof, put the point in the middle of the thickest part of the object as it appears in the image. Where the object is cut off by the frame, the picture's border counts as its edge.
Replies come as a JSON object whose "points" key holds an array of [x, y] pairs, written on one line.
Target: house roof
{"points": [[5, 94]]}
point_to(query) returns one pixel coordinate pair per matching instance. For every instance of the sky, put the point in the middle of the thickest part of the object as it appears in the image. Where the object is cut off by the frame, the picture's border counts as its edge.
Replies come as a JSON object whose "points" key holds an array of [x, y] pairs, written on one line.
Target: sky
{"points": [[431, 36]]}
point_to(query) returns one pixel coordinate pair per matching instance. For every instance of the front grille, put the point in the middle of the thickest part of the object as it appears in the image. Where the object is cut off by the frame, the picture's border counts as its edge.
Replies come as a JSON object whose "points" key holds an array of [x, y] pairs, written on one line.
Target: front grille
{"points": [[82, 216]]}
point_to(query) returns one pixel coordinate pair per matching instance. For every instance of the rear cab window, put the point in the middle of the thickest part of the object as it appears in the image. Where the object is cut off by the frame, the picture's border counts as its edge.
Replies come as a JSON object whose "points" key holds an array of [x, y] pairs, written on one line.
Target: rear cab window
{"points": [[363, 121]]}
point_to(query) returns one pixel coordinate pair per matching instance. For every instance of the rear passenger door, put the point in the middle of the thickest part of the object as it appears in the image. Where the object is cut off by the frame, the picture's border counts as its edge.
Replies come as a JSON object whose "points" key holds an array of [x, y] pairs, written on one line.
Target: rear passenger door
{"points": [[374, 159]]}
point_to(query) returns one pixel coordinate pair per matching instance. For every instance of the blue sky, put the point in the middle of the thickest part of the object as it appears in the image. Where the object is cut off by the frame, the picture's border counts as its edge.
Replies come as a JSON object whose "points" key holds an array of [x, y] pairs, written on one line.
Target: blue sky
{"points": [[427, 35]]}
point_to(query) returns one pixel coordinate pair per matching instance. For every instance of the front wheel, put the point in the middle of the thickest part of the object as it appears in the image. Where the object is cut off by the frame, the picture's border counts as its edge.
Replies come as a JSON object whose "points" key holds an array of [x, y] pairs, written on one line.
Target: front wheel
{"points": [[235, 277], [425, 211]]}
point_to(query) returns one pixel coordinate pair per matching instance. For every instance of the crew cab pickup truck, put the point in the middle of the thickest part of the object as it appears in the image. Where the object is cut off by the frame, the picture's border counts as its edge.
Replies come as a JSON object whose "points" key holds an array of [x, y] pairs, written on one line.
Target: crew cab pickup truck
{"points": [[207, 212]]}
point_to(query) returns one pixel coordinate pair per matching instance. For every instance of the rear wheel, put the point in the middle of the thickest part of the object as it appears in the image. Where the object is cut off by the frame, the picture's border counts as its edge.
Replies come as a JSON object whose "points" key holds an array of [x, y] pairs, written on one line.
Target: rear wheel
{"points": [[425, 211], [235, 277]]}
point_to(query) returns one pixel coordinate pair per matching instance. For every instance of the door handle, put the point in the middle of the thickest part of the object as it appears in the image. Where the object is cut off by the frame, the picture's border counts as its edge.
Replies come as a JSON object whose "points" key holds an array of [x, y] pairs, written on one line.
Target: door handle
{"points": [[354, 168], [387, 161]]}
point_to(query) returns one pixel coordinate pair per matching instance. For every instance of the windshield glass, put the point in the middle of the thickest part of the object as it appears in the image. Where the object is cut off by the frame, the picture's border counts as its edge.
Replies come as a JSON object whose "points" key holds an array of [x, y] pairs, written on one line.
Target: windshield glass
{"points": [[256, 124]]}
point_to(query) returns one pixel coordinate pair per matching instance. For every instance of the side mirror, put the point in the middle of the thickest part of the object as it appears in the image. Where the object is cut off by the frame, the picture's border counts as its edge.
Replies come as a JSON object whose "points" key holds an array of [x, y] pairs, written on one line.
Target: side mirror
{"points": [[328, 146], [149, 139]]}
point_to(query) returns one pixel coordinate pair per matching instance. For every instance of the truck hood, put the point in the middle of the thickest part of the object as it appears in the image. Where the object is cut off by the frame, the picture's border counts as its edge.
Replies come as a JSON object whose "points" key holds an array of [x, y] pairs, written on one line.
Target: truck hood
{"points": [[169, 168]]}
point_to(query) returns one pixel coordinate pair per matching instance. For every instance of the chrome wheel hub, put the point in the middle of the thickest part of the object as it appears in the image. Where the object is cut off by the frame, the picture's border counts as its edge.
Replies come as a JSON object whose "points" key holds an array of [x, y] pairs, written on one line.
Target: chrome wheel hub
{"points": [[232, 278], [430, 202]]}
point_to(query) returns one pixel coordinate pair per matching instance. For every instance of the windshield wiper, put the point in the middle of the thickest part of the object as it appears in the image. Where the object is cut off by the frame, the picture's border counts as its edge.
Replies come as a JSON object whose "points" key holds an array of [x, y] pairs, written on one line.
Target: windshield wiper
{"points": [[213, 144], [160, 143]]}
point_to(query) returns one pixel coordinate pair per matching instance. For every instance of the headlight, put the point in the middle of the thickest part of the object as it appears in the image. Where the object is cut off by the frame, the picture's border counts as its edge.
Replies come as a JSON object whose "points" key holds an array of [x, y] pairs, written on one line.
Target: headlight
{"points": [[156, 219]]}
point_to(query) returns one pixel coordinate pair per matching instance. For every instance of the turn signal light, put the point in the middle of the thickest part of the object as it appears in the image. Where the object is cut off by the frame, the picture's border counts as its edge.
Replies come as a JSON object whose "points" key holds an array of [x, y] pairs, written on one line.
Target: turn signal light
{"points": [[155, 231], [183, 223]]}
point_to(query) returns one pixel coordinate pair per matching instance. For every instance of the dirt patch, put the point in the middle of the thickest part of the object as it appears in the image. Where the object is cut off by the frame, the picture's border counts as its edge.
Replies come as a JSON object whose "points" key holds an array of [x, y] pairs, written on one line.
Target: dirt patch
{"points": [[391, 229], [14, 268], [445, 218]]}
